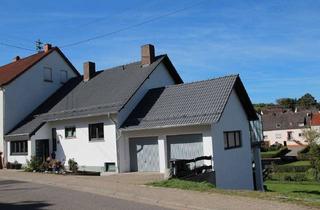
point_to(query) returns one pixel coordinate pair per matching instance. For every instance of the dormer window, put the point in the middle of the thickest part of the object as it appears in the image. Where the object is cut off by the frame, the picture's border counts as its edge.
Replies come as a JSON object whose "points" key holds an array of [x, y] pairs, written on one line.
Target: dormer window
{"points": [[278, 125]]}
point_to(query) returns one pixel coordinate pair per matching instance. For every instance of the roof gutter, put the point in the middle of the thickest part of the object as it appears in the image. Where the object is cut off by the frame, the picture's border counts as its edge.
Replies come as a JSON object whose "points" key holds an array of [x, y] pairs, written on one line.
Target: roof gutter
{"points": [[165, 126]]}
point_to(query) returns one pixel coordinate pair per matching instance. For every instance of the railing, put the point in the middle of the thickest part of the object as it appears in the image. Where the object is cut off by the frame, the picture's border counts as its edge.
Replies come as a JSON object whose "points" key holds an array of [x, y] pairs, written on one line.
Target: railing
{"points": [[180, 168]]}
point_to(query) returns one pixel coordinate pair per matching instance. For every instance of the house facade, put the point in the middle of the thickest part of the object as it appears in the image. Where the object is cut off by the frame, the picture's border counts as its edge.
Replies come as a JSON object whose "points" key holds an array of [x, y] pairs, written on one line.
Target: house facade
{"points": [[137, 117], [286, 128], [25, 84]]}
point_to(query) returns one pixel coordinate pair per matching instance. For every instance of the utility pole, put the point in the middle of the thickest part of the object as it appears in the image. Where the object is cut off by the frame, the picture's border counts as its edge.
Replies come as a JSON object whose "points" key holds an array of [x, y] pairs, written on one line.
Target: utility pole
{"points": [[39, 45]]}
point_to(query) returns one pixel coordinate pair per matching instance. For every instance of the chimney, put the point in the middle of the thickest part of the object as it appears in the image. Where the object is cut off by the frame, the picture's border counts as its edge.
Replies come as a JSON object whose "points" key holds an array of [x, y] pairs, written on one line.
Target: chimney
{"points": [[147, 54], [47, 47], [89, 68], [16, 59]]}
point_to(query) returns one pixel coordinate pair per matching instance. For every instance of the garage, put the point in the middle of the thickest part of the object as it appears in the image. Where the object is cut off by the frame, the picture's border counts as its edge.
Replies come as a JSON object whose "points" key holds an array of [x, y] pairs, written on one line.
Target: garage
{"points": [[144, 154], [184, 146]]}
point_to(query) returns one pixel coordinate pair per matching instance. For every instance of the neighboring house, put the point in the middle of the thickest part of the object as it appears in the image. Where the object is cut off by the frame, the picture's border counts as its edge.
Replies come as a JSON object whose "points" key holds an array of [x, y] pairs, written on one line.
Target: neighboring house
{"points": [[286, 128], [25, 84], [138, 116], [315, 121]]}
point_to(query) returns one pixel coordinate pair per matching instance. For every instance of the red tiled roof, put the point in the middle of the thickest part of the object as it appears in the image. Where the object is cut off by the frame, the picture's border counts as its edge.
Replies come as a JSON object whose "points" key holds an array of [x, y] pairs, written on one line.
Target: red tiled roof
{"points": [[315, 119], [13, 70]]}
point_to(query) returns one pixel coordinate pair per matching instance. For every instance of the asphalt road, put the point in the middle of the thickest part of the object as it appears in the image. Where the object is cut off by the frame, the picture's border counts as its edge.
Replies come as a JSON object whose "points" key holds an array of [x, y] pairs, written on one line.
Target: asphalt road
{"points": [[25, 195]]}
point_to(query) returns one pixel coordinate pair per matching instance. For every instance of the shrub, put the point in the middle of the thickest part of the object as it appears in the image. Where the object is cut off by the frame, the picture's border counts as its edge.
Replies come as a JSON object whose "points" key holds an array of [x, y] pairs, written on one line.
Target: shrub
{"points": [[288, 168], [291, 177], [34, 164], [73, 165], [14, 165], [304, 154]]}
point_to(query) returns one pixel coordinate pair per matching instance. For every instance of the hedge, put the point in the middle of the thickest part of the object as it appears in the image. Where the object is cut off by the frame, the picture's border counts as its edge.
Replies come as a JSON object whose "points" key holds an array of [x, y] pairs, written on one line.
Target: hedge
{"points": [[274, 154]]}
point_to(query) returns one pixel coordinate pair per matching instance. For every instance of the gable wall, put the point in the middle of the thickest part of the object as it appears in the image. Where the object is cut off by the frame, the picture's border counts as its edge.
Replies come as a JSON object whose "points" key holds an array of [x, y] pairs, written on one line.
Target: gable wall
{"points": [[159, 78], [1, 120], [29, 90], [233, 167]]}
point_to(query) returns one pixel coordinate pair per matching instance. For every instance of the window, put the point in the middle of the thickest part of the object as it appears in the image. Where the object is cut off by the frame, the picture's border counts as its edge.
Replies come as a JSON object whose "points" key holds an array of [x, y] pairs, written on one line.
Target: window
{"points": [[63, 76], [232, 139], [19, 147], [96, 132], [301, 134], [47, 74], [278, 125], [70, 132], [289, 135], [54, 139]]}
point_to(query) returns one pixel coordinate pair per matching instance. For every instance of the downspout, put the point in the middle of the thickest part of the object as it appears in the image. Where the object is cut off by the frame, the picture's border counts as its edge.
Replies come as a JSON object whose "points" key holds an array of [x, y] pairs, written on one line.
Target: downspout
{"points": [[118, 135], [3, 157]]}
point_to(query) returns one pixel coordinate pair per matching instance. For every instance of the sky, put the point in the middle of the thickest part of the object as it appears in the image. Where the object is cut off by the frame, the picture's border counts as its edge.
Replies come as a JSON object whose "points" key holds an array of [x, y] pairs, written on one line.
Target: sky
{"points": [[273, 45]]}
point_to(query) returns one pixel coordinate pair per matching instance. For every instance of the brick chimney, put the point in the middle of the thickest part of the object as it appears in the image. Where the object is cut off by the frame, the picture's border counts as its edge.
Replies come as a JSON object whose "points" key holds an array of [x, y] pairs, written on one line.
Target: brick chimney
{"points": [[89, 68], [147, 54], [47, 47], [16, 58]]}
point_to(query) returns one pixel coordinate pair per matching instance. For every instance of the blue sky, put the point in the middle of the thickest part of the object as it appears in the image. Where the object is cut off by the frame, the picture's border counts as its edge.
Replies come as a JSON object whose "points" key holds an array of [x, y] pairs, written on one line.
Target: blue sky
{"points": [[274, 45]]}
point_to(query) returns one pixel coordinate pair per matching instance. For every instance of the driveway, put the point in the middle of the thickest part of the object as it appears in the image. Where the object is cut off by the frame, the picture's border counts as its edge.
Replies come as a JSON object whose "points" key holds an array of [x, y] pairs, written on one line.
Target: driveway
{"points": [[22, 195], [130, 187]]}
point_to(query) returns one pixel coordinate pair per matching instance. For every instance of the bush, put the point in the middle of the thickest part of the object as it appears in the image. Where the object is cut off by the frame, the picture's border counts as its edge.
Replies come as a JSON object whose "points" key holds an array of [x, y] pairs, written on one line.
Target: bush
{"points": [[288, 168], [304, 154], [34, 164], [292, 177], [14, 165], [73, 165]]}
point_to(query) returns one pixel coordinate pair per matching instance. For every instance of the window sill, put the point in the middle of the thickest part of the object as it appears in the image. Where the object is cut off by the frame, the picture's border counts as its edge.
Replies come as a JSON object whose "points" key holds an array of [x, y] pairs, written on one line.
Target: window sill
{"points": [[18, 154], [73, 137], [96, 140]]}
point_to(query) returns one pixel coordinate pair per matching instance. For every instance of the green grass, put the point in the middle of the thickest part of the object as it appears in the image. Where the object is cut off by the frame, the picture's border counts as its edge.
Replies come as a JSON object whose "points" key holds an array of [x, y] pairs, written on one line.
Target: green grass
{"points": [[269, 154], [299, 163], [184, 185], [304, 193]]}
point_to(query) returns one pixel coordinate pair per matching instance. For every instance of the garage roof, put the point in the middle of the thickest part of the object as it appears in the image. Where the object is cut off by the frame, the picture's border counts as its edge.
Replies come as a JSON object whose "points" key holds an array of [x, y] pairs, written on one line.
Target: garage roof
{"points": [[188, 104]]}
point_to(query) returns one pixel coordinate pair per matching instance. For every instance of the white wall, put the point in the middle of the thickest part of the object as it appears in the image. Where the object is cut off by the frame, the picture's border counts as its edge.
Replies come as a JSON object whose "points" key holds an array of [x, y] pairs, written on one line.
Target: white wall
{"points": [[233, 167], [124, 156], [160, 77], [90, 155], [281, 135], [20, 158], [29, 90]]}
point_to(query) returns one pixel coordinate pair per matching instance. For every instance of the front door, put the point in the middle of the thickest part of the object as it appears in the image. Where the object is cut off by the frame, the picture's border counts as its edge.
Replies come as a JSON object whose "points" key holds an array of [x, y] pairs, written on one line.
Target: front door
{"points": [[42, 149]]}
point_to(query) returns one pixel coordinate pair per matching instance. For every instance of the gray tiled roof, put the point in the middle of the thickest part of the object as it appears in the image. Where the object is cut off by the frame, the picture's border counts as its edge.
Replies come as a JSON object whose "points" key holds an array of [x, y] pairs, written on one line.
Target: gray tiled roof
{"points": [[185, 104], [286, 120], [107, 92]]}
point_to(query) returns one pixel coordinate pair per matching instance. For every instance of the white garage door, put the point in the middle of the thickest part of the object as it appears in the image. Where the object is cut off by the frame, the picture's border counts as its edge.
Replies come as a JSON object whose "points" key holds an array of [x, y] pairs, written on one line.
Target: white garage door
{"points": [[184, 146], [144, 154]]}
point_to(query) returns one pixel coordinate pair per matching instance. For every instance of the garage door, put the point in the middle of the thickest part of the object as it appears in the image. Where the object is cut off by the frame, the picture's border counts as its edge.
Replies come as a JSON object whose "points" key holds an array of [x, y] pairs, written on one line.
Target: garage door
{"points": [[184, 146], [144, 154]]}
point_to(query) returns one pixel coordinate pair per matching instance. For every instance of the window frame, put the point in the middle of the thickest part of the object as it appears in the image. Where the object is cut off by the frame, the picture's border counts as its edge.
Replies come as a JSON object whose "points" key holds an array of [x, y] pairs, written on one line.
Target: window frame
{"points": [[236, 133], [66, 75], [65, 132], [97, 133], [22, 145], [44, 74]]}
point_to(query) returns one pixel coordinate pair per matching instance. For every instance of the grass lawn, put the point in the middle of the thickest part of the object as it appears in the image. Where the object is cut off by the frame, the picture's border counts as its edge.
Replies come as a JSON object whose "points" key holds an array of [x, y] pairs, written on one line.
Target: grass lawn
{"points": [[299, 163], [306, 193]]}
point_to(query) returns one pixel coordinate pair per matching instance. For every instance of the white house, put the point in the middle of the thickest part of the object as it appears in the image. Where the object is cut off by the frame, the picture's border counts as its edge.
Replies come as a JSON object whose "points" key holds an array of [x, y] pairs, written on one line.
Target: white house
{"points": [[286, 128], [25, 84], [138, 116]]}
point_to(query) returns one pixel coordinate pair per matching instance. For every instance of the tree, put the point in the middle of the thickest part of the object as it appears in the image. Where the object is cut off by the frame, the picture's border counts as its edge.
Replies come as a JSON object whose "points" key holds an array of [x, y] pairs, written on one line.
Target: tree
{"points": [[307, 101], [289, 103], [313, 137]]}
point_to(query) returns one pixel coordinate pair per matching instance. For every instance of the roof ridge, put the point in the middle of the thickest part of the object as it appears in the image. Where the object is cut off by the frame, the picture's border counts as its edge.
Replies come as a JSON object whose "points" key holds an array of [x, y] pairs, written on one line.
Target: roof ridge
{"points": [[133, 62], [206, 80]]}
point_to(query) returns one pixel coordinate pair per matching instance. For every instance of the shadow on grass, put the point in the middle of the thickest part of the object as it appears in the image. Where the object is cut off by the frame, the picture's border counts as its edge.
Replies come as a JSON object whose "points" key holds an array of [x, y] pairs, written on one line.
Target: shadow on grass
{"points": [[313, 192], [24, 205]]}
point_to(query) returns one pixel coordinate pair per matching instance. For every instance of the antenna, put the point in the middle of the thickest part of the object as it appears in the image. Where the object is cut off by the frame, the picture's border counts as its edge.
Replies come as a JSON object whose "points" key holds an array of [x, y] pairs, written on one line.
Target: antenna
{"points": [[39, 45]]}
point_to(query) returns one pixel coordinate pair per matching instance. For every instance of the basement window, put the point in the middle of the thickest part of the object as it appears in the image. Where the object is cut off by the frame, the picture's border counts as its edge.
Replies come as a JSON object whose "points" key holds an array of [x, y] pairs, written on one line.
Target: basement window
{"points": [[232, 139], [70, 132], [19, 147], [96, 132]]}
